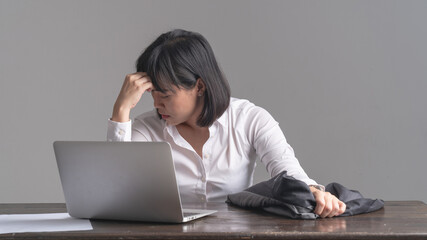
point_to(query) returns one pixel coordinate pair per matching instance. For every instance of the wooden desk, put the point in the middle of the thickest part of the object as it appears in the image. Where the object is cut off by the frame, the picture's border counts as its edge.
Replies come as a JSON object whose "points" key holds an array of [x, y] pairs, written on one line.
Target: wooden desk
{"points": [[398, 220]]}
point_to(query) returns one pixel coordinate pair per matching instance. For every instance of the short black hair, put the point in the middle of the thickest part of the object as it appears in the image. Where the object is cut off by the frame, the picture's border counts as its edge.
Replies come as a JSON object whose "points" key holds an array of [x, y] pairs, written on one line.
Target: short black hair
{"points": [[181, 57]]}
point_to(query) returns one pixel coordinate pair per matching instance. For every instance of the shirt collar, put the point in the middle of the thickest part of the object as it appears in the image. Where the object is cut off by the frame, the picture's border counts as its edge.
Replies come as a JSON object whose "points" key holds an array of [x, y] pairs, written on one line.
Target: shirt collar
{"points": [[221, 121]]}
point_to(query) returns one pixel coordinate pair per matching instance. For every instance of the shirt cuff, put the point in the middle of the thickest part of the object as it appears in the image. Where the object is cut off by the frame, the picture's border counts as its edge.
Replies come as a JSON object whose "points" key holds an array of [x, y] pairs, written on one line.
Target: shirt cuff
{"points": [[119, 131], [318, 187]]}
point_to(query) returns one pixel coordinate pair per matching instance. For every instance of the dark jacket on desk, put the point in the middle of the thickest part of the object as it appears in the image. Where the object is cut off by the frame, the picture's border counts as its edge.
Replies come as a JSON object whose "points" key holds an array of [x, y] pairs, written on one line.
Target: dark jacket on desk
{"points": [[286, 196]]}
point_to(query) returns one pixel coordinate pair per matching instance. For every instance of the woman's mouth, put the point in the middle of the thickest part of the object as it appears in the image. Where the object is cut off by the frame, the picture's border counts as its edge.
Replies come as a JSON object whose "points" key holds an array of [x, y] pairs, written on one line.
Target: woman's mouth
{"points": [[164, 116]]}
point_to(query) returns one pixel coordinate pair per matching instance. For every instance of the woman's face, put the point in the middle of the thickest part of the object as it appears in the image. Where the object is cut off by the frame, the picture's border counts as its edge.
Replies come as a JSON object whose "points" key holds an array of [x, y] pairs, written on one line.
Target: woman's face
{"points": [[181, 106]]}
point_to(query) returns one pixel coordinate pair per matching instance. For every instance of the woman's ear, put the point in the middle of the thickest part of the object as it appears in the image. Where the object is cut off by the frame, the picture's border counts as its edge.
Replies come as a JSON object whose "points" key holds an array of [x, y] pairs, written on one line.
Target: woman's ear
{"points": [[201, 87]]}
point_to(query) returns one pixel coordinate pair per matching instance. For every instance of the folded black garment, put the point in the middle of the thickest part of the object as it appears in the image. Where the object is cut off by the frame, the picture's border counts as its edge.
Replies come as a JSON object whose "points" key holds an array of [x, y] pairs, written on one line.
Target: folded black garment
{"points": [[292, 198]]}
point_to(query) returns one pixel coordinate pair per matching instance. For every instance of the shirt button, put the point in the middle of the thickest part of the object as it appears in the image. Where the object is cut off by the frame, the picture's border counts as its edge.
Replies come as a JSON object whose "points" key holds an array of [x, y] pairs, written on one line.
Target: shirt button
{"points": [[206, 156], [121, 132], [203, 179], [203, 198]]}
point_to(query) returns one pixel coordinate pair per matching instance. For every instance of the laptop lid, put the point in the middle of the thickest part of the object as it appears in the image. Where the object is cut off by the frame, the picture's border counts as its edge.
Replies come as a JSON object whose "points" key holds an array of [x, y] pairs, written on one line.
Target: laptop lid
{"points": [[119, 180]]}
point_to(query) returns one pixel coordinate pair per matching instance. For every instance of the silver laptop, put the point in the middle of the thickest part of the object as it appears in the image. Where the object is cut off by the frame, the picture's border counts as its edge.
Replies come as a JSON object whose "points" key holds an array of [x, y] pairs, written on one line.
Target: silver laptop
{"points": [[133, 181]]}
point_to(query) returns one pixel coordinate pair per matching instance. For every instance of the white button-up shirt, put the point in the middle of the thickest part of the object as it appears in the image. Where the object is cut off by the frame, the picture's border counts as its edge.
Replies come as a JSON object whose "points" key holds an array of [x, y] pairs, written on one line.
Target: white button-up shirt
{"points": [[243, 133]]}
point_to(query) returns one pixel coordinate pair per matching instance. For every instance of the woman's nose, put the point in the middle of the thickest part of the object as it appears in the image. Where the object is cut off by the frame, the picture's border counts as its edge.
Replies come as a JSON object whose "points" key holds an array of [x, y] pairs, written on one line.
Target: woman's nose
{"points": [[157, 100]]}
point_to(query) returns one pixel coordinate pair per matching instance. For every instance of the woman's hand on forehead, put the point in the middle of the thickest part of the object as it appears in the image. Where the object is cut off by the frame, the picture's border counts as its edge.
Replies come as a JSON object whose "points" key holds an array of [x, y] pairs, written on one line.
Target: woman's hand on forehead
{"points": [[134, 85]]}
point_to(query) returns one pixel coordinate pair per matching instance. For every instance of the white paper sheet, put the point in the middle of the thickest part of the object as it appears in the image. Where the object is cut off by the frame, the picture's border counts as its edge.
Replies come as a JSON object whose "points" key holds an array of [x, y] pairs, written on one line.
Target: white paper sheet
{"points": [[51, 222]]}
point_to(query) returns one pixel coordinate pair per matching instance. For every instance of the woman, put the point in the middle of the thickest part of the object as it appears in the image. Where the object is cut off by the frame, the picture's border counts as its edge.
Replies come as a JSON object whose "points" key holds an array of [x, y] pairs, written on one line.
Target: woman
{"points": [[214, 138]]}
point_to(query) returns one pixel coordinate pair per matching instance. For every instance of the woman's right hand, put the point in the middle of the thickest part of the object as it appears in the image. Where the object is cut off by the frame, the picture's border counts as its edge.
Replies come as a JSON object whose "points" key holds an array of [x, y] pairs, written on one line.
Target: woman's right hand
{"points": [[134, 86]]}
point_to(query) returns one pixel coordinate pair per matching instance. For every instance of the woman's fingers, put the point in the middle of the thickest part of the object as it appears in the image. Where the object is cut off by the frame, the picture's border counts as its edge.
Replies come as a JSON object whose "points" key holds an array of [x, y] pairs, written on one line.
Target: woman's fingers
{"points": [[327, 205], [334, 207], [144, 84], [320, 202], [134, 85], [342, 206], [328, 209]]}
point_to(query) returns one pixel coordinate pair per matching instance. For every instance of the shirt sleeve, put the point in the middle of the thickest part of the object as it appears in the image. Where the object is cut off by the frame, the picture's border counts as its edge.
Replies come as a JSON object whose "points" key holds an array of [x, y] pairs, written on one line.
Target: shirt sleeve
{"points": [[272, 148], [124, 132], [119, 131]]}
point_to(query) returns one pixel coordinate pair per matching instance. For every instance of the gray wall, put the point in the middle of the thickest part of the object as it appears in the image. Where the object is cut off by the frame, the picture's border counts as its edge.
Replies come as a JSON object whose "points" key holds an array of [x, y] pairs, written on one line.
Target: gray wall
{"points": [[347, 81]]}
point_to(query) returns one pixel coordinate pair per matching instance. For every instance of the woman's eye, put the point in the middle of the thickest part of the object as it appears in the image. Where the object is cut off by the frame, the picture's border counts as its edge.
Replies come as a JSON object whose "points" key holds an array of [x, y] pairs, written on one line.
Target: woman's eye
{"points": [[166, 96]]}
